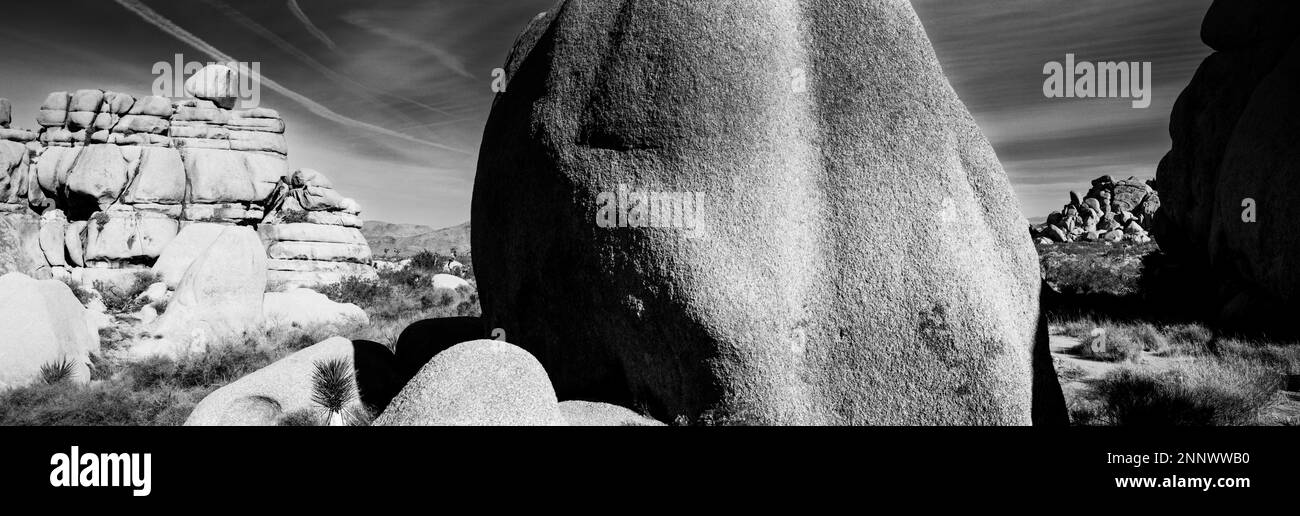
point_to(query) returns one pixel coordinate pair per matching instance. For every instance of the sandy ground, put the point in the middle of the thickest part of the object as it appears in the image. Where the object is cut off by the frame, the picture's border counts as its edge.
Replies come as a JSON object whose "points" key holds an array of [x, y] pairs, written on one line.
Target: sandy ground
{"points": [[1061, 344]]}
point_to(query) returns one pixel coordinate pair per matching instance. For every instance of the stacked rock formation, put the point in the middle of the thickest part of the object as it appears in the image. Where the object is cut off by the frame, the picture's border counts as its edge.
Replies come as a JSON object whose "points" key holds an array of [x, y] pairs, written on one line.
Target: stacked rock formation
{"points": [[1231, 179], [1112, 211], [115, 177], [313, 235], [769, 111]]}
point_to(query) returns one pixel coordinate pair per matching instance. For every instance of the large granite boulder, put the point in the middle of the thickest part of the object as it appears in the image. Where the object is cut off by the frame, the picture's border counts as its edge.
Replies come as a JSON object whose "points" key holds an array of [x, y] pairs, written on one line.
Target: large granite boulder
{"points": [[423, 340], [41, 322], [219, 296], [674, 216], [1228, 184], [479, 383], [302, 307], [266, 396]]}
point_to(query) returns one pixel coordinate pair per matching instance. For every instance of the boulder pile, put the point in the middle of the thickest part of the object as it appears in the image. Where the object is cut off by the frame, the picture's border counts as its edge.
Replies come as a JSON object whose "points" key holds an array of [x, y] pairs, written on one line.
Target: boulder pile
{"points": [[110, 179], [313, 235], [1111, 211]]}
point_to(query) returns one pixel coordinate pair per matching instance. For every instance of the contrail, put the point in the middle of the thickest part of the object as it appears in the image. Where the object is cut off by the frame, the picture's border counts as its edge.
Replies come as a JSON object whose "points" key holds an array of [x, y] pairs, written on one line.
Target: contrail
{"points": [[166, 25], [287, 47], [446, 58], [311, 27]]}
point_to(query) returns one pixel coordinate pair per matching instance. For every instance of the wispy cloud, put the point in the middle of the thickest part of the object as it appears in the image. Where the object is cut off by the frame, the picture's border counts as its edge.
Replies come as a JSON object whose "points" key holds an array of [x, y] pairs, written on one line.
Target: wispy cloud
{"points": [[444, 57], [167, 26], [311, 27]]}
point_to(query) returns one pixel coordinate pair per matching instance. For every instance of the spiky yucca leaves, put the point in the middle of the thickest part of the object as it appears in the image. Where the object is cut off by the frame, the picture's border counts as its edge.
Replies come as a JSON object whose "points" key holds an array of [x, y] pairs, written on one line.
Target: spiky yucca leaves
{"points": [[334, 386], [58, 372]]}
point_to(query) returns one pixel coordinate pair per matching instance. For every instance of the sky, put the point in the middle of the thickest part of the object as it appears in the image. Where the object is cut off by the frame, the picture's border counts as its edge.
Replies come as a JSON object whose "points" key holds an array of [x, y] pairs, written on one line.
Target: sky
{"points": [[389, 97]]}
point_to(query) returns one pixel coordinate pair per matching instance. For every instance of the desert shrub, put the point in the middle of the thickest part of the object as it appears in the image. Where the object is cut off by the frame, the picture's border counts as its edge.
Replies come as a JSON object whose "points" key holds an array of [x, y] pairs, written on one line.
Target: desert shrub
{"points": [[58, 372], [408, 277], [125, 300], [1110, 346], [1210, 392], [113, 337], [357, 290], [293, 216], [100, 404], [1078, 328], [427, 260], [101, 368], [1188, 340], [216, 367], [1066, 372], [1088, 268]]}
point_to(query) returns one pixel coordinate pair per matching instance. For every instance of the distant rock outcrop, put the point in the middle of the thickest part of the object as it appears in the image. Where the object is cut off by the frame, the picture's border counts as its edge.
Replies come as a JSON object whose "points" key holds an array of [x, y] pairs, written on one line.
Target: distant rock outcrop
{"points": [[115, 178], [1230, 182], [1112, 211], [778, 138]]}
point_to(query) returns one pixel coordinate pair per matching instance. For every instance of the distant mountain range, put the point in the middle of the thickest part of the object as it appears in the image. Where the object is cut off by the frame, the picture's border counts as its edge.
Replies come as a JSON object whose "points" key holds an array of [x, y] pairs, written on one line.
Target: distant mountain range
{"points": [[388, 240]]}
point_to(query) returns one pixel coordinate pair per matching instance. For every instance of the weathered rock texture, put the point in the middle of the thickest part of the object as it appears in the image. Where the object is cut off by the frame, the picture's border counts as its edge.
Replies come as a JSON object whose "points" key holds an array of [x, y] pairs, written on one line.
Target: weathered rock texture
{"points": [[127, 174], [313, 235], [479, 383], [1230, 181], [41, 322], [783, 307]]}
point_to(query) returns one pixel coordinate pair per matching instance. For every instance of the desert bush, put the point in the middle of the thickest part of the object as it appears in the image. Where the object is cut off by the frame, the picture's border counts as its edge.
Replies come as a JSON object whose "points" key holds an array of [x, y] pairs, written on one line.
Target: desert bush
{"points": [[99, 404], [1110, 346], [58, 372], [1211, 392], [357, 290], [293, 216], [428, 261], [120, 300], [216, 367]]}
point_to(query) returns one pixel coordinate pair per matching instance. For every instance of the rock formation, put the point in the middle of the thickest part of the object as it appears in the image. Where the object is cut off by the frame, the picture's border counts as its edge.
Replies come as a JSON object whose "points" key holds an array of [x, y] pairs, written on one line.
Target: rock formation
{"points": [[314, 234], [1112, 211], [1230, 181], [479, 383], [114, 178], [220, 295], [779, 305], [266, 396]]}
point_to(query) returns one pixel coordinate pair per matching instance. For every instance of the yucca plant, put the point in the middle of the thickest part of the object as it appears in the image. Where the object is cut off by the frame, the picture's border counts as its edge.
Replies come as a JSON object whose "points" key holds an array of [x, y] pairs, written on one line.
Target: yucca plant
{"points": [[54, 373], [334, 388]]}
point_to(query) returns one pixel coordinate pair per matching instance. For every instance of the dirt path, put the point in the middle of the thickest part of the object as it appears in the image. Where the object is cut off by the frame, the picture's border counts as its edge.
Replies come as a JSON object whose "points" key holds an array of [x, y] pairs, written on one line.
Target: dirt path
{"points": [[1077, 374]]}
